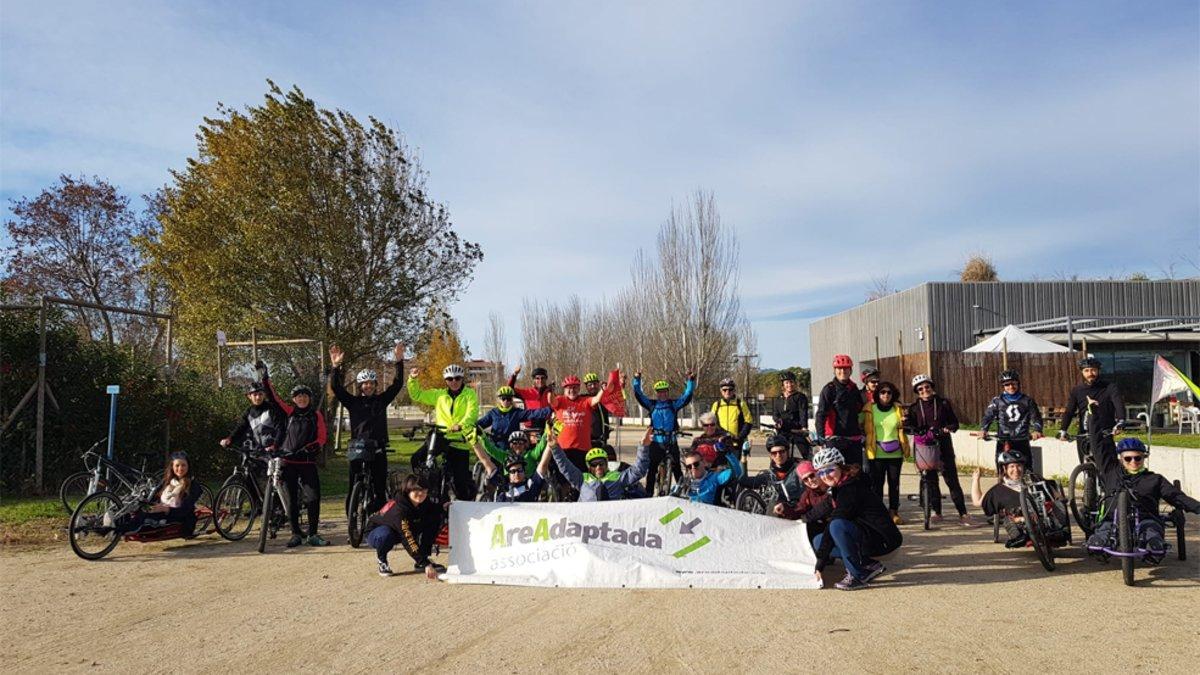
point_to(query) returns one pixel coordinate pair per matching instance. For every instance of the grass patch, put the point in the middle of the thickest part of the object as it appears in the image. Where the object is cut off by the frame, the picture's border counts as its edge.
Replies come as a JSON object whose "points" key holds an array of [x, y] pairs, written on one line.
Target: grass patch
{"points": [[335, 477], [24, 509]]}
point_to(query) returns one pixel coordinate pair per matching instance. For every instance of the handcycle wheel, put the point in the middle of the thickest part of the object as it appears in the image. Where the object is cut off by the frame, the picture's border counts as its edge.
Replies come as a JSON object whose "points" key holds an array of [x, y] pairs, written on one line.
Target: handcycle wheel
{"points": [[1037, 532], [1125, 540], [92, 531], [268, 515], [204, 511], [662, 486], [234, 512], [750, 502], [1084, 513], [1180, 521], [357, 522], [77, 486]]}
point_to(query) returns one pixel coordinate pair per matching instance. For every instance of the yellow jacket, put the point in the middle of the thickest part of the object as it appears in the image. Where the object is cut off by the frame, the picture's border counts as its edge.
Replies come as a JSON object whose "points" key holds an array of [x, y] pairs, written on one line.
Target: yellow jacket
{"points": [[461, 410], [732, 415], [867, 420]]}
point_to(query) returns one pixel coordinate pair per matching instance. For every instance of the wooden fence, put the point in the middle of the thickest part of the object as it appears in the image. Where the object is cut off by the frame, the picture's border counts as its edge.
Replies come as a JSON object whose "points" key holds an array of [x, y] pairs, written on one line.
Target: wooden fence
{"points": [[970, 381]]}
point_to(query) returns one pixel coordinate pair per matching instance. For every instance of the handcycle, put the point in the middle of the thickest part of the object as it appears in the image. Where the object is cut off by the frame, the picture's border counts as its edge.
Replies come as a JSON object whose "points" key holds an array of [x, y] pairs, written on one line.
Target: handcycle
{"points": [[102, 519], [362, 492], [797, 441], [103, 474], [663, 476], [1125, 539]]}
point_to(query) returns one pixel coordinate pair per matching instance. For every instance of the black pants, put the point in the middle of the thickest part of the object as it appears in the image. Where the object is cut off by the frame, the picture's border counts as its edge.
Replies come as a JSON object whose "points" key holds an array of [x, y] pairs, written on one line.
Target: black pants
{"points": [[669, 451], [1104, 452], [950, 475], [888, 469], [303, 479], [383, 539], [458, 461], [379, 475]]}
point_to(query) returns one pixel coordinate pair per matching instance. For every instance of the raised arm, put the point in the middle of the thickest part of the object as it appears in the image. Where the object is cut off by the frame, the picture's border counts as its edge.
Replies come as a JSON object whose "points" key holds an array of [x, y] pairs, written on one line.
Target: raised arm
{"points": [[637, 393], [339, 388], [543, 467], [393, 390], [689, 388], [286, 407], [419, 395], [488, 465], [573, 475], [976, 488]]}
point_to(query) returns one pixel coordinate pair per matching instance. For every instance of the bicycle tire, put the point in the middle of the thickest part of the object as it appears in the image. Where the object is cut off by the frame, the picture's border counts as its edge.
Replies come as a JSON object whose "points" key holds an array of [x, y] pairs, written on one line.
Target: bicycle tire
{"points": [[1180, 522], [1037, 532], [1084, 517], [1125, 540], [204, 521], [267, 515], [358, 514], [76, 525], [75, 489], [926, 502], [662, 483], [749, 501], [237, 501]]}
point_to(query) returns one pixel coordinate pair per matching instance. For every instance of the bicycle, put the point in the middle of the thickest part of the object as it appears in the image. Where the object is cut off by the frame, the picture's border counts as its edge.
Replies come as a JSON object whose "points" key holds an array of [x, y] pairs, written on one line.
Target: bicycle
{"points": [[441, 481], [362, 493], [1088, 473], [102, 519], [797, 441], [239, 501], [664, 475], [927, 455], [276, 505], [102, 473]]}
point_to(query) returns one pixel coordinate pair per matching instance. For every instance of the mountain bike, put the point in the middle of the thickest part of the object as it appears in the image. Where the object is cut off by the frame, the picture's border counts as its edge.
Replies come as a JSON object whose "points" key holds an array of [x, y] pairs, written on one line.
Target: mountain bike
{"points": [[664, 475], [424, 462], [276, 505], [239, 501], [1085, 503], [362, 493], [101, 473]]}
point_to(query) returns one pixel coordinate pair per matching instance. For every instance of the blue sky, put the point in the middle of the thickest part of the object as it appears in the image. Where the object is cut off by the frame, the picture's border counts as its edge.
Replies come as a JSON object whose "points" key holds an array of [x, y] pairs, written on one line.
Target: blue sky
{"points": [[843, 140]]}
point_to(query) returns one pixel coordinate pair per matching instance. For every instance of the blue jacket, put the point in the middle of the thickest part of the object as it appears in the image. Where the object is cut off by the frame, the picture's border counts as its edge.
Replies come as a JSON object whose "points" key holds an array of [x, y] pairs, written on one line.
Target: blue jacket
{"points": [[503, 423], [706, 489], [663, 413], [615, 485]]}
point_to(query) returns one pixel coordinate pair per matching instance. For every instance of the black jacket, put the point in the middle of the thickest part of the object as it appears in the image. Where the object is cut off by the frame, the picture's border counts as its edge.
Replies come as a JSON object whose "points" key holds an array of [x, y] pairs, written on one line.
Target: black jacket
{"points": [[368, 414], [1098, 405], [1014, 420], [263, 424], [790, 413], [936, 414], [187, 508], [408, 521], [838, 408], [854, 500], [1150, 487]]}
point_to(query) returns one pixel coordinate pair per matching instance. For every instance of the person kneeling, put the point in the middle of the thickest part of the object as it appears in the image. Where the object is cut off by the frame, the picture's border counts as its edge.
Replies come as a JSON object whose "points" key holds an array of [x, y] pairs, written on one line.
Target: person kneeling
{"points": [[411, 520], [860, 526]]}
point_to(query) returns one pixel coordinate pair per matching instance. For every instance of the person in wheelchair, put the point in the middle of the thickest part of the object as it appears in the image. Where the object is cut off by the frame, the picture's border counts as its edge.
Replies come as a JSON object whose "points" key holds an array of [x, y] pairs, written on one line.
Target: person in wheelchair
{"points": [[1148, 489], [704, 485], [1003, 500], [782, 469], [515, 485]]}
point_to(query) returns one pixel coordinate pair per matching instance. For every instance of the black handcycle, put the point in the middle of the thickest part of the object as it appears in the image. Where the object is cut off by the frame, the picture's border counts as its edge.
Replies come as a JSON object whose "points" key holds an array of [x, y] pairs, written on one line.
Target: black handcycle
{"points": [[1124, 542]]}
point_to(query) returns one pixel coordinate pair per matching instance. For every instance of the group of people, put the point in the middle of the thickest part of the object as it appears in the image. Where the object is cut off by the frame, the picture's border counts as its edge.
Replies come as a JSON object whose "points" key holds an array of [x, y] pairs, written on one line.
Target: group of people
{"points": [[861, 437]]}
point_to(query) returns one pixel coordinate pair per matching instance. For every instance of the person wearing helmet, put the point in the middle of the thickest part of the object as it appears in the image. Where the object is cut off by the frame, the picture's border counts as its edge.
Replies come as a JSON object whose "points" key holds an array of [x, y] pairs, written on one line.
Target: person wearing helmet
{"points": [[598, 482], [781, 470], [812, 507], [262, 423], [1098, 405], [711, 437], [515, 484], [886, 444], [860, 526], [502, 420], [870, 379], [519, 445], [789, 413], [303, 437], [705, 482], [1003, 500], [537, 396], [664, 412], [457, 409], [838, 407], [1148, 489], [1017, 417], [601, 428], [368, 416], [575, 413], [932, 417], [732, 413]]}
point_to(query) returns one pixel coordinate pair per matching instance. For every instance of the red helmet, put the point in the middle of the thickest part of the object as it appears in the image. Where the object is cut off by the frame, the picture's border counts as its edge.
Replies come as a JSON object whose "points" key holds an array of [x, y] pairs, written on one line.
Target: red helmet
{"points": [[843, 361], [570, 381]]}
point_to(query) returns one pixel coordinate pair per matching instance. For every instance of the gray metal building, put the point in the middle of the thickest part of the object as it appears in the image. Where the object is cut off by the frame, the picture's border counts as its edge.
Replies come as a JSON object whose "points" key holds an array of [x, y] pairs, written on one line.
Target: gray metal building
{"points": [[1123, 320]]}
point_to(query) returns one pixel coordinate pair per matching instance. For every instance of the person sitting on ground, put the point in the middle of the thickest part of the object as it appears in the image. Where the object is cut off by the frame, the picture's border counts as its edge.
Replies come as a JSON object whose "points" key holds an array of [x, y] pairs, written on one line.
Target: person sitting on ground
{"points": [[782, 469], [860, 526], [1148, 489], [175, 498], [411, 520], [703, 485], [517, 484], [813, 506], [505, 418], [886, 444], [600, 483], [303, 438], [711, 437], [1003, 500]]}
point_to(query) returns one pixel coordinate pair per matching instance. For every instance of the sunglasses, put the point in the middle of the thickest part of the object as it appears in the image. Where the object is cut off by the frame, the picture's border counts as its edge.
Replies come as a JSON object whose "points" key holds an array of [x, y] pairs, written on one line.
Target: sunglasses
{"points": [[709, 425], [506, 398], [1130, 459], [777, 452], [825, 472], [726, 388], [515, 470], [598, 462], [453, 379], [885, 392], [691, 466], [924, 387]]}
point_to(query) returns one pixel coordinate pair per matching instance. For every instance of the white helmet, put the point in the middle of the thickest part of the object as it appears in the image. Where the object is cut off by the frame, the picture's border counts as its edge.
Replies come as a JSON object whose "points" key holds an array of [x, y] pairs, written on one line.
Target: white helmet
{"points": [[919, 380], [453, 370], [826, 457], [366, 375]]}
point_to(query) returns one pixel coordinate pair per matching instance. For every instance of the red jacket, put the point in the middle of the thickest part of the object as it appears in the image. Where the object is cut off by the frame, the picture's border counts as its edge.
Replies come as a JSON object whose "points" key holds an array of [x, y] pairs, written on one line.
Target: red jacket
{"points": [[533, 397]]}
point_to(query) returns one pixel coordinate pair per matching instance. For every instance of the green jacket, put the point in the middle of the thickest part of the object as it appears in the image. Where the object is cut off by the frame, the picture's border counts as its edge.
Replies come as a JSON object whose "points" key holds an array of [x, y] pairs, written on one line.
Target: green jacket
{"points": [[532, 456], [448, 411]]}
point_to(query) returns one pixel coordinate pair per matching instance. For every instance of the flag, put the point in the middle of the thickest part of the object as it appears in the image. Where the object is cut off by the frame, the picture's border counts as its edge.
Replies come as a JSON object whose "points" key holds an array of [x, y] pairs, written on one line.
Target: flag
{"points": [[613, 399], [1168, 380]]}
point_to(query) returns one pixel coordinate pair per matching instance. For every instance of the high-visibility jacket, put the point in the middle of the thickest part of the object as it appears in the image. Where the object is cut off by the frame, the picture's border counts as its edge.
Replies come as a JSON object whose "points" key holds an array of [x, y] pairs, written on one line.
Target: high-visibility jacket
{"points": [[461, 410], [734, 417]]}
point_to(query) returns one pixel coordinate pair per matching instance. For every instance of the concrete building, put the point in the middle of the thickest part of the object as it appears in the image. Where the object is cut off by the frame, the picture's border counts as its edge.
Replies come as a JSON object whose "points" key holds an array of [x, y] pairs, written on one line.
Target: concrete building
{"points": [[1123, 322]]}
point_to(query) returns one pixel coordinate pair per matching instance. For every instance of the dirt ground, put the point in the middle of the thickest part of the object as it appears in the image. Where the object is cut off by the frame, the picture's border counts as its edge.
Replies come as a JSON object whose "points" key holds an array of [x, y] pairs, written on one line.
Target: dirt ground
{"points": [[951, 601]]}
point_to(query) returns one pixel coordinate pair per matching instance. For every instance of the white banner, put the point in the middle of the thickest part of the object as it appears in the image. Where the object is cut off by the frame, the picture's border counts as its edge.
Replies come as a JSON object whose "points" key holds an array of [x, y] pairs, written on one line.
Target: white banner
{"points": [[637, 543]]}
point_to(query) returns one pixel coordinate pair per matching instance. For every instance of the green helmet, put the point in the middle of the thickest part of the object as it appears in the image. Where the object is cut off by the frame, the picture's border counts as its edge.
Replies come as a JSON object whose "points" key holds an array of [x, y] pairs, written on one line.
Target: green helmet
{"points": [[662, 385], [591, 377], [505, 391], [595, 453]]}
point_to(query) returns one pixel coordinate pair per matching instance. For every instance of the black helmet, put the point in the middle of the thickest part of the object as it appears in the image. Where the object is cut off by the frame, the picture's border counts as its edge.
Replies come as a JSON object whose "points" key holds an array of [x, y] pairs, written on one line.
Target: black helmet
{"points": [[1011, 457], [778, 442], [869, 371], [1089, 362], [1010, 376], [513, 459], [255, 387], [787, 375], [540, 372], [301, 389]]}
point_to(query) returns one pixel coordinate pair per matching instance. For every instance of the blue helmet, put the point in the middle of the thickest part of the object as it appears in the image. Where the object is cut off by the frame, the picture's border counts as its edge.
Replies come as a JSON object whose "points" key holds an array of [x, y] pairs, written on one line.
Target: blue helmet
{"points": [[1132, 445]]}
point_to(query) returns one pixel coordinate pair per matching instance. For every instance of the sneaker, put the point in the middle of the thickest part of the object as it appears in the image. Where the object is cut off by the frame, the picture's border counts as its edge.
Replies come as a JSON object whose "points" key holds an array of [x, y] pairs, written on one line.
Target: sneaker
{"points": [[316, 540], [935, 518], [384, 570], [873, 570], [965, 520], [849, 583], [896, 518], [295, 541]]}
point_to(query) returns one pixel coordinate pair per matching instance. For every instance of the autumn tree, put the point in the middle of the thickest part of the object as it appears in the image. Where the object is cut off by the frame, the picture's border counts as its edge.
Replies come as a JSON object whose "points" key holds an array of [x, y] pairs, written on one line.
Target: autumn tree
{"points": [[305, 222], [439, 347], [978, 267]]}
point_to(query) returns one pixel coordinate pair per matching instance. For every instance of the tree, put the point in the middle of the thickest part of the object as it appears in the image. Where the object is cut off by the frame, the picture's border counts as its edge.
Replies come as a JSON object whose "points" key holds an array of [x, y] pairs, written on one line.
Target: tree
{"points": [[978, 267], [305, 222], [881, 287], [74, 241], [441, 347], [495, 347]]}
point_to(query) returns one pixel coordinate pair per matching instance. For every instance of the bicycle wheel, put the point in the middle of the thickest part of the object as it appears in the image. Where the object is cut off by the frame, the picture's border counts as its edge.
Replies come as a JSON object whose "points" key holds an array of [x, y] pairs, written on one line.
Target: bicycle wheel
{"points": [[92, 530], [1180, 520], [204, 511], [1037, 532], [358, 514], [480, 481], [77, 486], [268, 516], [1084, 512], [662, 483], [926, 502], [1125, 539], [234, 512], [750, 502]]}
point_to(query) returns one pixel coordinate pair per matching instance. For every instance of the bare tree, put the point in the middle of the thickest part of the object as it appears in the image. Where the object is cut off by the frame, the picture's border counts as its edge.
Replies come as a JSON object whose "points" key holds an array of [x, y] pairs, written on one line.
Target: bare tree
{"points": [[881, 287], [978, 267], [495, 347]]}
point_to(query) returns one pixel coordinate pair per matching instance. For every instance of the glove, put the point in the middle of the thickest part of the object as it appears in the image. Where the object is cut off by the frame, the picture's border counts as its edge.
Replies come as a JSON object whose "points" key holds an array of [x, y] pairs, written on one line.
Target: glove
{"points": [[1062, 435]]}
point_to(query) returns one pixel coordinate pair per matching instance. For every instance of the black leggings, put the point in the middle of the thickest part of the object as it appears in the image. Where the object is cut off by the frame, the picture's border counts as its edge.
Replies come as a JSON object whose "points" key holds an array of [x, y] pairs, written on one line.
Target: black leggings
{"points": [[659, 452], [889, 469], [458, 461], [950, 475], [303, 478]]}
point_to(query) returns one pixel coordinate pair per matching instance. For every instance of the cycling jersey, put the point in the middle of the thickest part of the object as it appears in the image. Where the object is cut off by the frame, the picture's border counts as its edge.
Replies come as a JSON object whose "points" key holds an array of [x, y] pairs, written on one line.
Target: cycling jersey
{"points": [[449, 409], [709, 487], [576, 417], [262, 424], [304, 433], [790, 413], [663, 413], [368, 414], [614, 484], [502, 422], [733, 415], [838, 408], [1015, 416], [1098, 405]]}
